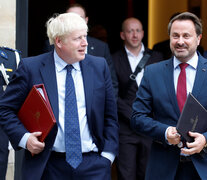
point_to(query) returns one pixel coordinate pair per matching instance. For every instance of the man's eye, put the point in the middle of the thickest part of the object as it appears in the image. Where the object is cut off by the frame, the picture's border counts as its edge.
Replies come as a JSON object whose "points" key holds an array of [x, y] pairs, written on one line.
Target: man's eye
{"points": [[186, 36], [175, 36]]}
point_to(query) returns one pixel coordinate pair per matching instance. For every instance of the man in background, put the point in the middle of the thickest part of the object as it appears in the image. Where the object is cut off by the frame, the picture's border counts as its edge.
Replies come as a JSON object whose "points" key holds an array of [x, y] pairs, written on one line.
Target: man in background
{"points": [[9, 59], [129, 63]]}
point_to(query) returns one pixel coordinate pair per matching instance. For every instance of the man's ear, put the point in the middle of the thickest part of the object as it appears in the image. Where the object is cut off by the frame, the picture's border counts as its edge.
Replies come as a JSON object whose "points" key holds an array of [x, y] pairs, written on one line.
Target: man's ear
{"points": [[58, 42], [86, 19], [122, 35], [199, 39]]}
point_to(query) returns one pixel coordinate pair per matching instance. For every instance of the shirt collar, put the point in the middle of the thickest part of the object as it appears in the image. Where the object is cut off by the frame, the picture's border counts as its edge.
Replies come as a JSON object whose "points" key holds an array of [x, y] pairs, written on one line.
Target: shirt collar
{"points": [[61, 64], [130, 54], [193, 62]]}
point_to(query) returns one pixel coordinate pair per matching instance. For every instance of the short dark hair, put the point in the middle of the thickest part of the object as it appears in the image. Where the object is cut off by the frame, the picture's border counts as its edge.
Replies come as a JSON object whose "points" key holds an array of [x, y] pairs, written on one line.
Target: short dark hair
{"points": [[187, 16]]}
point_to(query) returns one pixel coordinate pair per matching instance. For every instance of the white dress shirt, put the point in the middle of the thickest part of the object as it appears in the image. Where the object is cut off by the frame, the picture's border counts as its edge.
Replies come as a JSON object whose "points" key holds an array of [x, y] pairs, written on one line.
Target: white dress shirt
{"points": [[190, 75], [190, 72], [134, 61]]}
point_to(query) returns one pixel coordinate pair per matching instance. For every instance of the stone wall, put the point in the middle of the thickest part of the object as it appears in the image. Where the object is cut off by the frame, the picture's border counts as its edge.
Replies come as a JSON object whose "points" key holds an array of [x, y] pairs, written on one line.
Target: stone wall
{"points": [[7, 23]]}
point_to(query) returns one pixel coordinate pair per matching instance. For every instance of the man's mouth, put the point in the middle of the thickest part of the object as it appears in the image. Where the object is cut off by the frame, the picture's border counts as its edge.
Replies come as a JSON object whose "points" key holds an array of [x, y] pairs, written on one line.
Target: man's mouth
{"points": [[180, 48], [82, 50]]}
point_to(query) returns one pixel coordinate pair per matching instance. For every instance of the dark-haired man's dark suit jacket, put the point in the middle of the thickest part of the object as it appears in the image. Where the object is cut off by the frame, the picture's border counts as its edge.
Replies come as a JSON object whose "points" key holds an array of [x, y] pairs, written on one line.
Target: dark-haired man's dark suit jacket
{"points": [[100, 106], [126, 97], [157, 95]]}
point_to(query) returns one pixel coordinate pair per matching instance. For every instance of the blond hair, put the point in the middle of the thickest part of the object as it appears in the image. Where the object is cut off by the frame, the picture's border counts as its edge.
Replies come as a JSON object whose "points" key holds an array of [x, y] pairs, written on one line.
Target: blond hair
{"points": [[64, 24]]}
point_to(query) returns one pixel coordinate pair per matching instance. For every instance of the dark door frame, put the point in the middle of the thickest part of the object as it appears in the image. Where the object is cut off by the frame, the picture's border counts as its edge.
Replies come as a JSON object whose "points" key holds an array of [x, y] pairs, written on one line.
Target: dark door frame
{"points": [[22, 26]]}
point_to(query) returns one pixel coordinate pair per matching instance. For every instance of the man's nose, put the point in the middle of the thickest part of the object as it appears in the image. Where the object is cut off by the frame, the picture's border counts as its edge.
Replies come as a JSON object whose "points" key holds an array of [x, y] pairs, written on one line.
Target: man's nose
{"points": [[84, 42], [180, 40]]}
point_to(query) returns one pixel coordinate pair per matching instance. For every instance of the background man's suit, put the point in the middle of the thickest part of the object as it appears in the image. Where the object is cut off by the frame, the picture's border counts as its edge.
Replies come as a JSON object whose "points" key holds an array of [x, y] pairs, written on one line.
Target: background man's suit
{"points": [[96, 47], [158, 83], [97, 87], [126, 96]]}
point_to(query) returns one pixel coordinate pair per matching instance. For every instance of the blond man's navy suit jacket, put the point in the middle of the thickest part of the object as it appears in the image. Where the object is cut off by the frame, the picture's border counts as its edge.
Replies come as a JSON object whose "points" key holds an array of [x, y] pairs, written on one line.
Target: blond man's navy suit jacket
{"points": [[100, 106]]}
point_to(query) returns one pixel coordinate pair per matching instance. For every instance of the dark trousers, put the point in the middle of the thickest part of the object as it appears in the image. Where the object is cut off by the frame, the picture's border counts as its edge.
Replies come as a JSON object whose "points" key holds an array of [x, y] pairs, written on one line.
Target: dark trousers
{"points": [[18, 164], [133, 157], [93, 167], [4, 152], [186, 171]]}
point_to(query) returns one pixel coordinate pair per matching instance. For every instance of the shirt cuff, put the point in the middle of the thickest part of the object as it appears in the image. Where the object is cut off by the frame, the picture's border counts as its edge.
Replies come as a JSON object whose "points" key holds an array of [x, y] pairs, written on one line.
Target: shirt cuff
{"points": [[23, 141], [166, 136], [109, 156]]}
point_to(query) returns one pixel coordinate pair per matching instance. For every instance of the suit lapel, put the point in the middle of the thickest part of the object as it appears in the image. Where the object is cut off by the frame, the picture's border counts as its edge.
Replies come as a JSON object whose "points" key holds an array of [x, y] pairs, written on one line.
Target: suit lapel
{"points": [[169, 80], [169, 83], [200, 76], [49, 79], [88, 82]]}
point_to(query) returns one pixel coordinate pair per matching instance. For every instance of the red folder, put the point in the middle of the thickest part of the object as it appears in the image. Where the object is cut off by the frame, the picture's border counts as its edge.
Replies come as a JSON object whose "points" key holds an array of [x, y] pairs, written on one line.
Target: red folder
{"points": [[36, 113]]}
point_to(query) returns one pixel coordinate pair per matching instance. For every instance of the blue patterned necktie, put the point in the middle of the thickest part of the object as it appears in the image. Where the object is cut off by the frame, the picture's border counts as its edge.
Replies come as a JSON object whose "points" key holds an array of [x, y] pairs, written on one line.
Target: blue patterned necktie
{"points": [[72, 130]]}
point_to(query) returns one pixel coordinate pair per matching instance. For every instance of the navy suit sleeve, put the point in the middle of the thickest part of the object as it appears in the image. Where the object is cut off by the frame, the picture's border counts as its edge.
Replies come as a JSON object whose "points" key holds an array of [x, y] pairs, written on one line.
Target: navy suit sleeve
{"points": [[11, 102], [110, 119], [142, 118]]}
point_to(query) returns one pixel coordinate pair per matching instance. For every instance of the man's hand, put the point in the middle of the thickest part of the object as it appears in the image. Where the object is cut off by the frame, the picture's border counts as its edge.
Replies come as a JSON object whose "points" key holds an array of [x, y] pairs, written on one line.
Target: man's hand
{"points": [[196, 146], [33, 144], [172, 136]]}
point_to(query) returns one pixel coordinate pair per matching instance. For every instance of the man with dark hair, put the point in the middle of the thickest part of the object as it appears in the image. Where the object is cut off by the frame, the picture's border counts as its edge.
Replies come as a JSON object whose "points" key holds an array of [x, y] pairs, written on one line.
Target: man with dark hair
{"points": [[163, 92]]}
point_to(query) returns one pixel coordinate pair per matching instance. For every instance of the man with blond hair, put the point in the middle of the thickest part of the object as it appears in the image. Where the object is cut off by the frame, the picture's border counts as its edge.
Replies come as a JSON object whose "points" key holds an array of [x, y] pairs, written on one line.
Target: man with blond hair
{"points": [[84, 142]]}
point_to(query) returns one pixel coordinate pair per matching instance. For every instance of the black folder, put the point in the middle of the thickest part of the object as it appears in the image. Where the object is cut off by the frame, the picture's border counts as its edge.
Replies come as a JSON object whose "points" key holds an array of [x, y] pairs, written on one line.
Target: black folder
{"points": [[193, 118]]}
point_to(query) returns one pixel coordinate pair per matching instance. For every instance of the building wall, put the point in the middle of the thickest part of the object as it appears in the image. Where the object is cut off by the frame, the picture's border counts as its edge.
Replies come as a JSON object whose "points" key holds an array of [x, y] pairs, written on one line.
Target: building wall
{"points": [[204, 22], [159, 13]]}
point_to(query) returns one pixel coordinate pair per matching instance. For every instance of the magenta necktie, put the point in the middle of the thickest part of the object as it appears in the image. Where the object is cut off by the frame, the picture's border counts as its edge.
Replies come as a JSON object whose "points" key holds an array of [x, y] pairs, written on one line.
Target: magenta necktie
{"points": [[181, 86]]}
